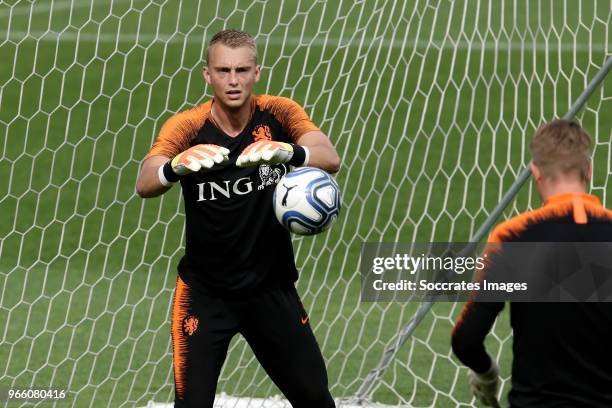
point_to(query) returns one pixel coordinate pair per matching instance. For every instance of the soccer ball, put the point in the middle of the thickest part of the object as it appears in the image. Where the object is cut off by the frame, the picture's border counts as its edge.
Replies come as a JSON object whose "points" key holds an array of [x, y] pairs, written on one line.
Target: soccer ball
{"points": [[307, 201]]}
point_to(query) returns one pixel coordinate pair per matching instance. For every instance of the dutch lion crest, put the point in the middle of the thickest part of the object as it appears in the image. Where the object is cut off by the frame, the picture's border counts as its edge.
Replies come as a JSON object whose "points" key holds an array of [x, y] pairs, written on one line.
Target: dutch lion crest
{"points": [[269, 175]]}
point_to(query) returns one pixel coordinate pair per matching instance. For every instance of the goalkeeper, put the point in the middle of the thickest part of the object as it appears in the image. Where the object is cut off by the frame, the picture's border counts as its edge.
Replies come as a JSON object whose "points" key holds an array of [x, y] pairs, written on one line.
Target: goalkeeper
{"points": [[238, 273], [562, 353]]}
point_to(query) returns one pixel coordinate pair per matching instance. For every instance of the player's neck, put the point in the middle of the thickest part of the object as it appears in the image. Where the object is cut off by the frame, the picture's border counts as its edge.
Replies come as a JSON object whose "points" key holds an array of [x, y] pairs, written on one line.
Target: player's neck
{"points": [[561, 187], [231, 121]]}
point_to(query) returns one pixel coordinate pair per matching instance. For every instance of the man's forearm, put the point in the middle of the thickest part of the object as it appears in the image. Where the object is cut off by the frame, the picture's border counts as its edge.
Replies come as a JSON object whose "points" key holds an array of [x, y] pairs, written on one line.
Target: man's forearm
{"points": [[323, 157], [469, 334], [148, 184]]}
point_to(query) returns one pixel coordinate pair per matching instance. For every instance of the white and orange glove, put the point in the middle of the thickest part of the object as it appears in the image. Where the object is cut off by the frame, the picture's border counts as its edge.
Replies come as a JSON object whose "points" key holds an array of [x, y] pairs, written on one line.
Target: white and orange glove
{"points": [[484, 386], [271, 152], [202, 156]]}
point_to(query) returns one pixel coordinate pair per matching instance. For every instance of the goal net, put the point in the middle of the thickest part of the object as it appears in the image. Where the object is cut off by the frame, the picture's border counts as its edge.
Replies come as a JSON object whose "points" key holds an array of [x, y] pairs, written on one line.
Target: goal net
{"points": [[431, 105]]}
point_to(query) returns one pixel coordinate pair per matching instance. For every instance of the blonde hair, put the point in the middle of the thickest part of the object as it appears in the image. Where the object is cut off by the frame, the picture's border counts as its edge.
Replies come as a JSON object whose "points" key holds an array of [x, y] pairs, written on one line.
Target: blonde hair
{"points": [[562, 148], [233, 39]]}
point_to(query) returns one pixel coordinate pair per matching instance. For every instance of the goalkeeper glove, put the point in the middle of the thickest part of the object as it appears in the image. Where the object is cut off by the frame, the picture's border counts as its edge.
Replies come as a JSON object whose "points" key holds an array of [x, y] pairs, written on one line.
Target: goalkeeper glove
{"points": [[202, 156], [484, 386], [270, 152]]}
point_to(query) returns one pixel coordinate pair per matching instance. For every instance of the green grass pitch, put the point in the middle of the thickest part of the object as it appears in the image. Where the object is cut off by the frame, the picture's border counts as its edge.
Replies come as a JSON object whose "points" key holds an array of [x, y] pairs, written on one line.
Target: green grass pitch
{"points": [[430, 104]]}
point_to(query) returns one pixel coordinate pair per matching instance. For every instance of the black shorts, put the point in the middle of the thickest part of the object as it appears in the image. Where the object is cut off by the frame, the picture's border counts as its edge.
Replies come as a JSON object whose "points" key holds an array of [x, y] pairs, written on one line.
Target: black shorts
{"points": [[275, 325]]}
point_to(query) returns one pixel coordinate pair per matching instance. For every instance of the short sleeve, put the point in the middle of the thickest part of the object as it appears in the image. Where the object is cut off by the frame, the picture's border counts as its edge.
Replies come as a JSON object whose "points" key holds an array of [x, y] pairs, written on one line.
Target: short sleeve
{"points": [[290, 114], [176, 134]]}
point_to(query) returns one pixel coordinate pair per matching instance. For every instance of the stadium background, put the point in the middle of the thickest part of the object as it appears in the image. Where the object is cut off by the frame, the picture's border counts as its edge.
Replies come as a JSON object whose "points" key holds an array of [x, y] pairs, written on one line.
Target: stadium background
{"points": [[430, 103]]}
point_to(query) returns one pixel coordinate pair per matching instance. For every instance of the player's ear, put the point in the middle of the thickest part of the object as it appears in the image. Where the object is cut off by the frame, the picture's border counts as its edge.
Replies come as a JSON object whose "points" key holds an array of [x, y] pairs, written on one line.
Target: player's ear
{"points": [[536, 172], [257, 72], [206, 74], [589, 173]]}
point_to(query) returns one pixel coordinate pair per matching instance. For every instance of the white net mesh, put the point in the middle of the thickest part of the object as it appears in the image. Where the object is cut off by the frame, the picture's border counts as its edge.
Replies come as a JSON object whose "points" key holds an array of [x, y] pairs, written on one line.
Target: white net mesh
{"points": [[430, 103]]}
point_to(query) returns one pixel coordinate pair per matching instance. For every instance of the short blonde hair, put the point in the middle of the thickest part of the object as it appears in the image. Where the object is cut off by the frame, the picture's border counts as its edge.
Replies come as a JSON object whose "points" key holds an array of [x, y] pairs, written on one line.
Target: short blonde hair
{"points": [[562, 148], [233, 39]]}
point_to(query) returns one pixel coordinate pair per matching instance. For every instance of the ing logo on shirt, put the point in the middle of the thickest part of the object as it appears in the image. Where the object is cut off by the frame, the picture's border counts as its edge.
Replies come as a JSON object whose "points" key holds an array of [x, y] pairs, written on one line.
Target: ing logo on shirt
{"points": [[214, 190], [190, 325], [262, 132]]}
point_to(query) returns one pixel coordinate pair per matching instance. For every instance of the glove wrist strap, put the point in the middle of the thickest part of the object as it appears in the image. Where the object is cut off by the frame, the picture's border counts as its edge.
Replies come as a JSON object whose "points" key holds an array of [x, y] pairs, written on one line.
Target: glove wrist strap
{"points": [[167, 176], [300, 155]]}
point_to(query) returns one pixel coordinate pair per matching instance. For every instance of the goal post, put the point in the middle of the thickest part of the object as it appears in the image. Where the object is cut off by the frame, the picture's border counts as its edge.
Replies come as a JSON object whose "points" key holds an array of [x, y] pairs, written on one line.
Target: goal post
{"points": [[430, 104]]}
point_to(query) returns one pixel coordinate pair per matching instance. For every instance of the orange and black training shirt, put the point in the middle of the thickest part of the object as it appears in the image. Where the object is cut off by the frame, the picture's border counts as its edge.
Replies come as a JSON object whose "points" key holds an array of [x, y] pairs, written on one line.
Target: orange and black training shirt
{"points": [[234, 244], [562, 352]]}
